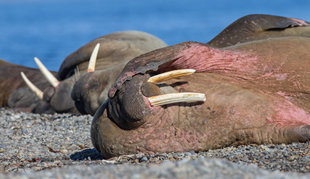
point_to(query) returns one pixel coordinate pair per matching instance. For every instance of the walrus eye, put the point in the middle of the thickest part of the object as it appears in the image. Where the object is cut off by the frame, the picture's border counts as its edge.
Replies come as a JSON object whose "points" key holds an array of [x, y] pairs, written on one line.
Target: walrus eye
{"points": [[93, 58], [48, 75], [170, 98], [32, 87]]}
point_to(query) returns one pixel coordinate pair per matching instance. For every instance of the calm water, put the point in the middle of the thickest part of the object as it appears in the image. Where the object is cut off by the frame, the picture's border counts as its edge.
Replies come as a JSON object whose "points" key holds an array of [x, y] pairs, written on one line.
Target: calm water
{"points": [[53, 29]]}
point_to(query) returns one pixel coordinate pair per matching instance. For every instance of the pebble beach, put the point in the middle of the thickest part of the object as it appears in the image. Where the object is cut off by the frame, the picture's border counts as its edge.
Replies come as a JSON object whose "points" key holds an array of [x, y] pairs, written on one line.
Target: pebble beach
{"points": [[59, 146]]}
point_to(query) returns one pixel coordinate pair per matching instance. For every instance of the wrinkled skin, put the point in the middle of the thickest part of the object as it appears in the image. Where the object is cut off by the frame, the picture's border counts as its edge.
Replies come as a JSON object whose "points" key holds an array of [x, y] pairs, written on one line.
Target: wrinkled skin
{"points": [[14, 92], [246, 29], [90, 90], [115, 51], [257, 92]]}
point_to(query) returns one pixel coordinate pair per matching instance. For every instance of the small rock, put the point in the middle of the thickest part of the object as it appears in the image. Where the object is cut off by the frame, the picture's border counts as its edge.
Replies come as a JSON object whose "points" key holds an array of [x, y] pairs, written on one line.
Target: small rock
{"points": [[143, 159]]}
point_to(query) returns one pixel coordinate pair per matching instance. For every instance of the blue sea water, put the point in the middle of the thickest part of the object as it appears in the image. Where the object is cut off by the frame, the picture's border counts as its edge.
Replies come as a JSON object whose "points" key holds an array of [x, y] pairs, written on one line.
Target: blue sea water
{"points": [[52, 29]]}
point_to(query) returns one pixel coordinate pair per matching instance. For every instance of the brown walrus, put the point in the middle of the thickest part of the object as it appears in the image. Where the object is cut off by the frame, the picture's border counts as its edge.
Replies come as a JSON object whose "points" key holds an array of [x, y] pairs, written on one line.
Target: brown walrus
{"points": [[88, 97], [115, 51], [252, 92], [258, 27], [94, 86], [13, 91]]}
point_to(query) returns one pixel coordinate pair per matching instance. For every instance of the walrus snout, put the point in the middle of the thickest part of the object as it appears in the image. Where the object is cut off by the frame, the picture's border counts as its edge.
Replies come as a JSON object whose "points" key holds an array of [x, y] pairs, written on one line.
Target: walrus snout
{"points": [[129, 107], [48, 94]]}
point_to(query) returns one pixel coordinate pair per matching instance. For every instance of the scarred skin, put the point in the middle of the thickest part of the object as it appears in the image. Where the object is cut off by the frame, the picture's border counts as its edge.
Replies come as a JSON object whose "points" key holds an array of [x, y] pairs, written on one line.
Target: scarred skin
{"points": [[246, 29], [115, 51], [256, 92], [14, 92]]}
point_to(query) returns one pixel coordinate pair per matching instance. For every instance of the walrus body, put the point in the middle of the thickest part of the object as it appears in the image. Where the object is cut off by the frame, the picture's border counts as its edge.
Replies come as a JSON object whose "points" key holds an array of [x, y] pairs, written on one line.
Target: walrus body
{"points": [[258, 27], [115, 51], [14, 92], [256, 92], [93, 86], [90, 89]]}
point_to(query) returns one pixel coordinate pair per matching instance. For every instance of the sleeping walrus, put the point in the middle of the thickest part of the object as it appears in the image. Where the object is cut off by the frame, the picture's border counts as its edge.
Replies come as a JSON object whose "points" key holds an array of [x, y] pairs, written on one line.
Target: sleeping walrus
{"points": [[88, 95], [13, 91], [114, 51], [192, 96], [90, 91]]}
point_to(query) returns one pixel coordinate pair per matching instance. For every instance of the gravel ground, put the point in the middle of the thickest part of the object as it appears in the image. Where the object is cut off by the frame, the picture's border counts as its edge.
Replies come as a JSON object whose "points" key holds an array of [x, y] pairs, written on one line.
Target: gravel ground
{"points": [[59, 146]]}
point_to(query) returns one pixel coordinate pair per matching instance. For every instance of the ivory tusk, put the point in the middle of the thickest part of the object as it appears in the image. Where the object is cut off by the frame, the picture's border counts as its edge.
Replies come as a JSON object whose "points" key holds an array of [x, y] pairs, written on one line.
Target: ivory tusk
{"points": [[32, 87], [176, 98], [48, 75], [169, 75], [93, 58]]}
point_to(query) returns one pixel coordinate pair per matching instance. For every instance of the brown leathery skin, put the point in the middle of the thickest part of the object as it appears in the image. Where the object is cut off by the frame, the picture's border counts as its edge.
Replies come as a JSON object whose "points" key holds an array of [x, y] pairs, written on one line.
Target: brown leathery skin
{"points": [[14, 92], [91, 89], [257, 92], [116, 49], [260, 26]]}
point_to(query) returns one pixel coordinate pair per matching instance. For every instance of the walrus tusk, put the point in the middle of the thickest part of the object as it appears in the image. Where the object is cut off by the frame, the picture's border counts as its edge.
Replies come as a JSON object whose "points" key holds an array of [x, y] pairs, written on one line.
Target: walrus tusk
{"points": [[32, 87], [48, 75], [171, 98], [170, 74], [93, 58]]}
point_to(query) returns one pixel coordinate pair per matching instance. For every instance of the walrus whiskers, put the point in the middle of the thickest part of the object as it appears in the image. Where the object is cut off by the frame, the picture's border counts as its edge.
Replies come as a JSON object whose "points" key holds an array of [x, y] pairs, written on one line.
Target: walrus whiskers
{"points": [[32, 87], [171, 98], [48, 75], [93, 58]]}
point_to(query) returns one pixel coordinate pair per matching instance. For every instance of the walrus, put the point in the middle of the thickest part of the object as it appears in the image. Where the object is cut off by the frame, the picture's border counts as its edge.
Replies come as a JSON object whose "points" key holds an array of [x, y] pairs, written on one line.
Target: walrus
{"points": [[114, 51], [91, 90], [192, 96], [13, 91], [260, 26]]}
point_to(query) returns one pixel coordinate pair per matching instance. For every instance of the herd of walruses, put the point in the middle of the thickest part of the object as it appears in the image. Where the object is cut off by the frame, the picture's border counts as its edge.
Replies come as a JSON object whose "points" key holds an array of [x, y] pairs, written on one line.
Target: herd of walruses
{"points": [[249, 84]]}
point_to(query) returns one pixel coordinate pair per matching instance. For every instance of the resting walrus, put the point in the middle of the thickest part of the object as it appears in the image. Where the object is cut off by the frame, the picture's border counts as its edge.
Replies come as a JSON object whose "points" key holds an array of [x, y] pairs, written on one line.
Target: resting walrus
{"points": [[258, 27], [13, 91], [93, 86], [115, 50], [253, 92]]}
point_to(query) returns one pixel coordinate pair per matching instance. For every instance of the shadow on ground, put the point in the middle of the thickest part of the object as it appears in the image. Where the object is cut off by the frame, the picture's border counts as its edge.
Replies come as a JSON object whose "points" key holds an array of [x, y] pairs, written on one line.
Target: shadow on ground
{"points": [[87, 154]]}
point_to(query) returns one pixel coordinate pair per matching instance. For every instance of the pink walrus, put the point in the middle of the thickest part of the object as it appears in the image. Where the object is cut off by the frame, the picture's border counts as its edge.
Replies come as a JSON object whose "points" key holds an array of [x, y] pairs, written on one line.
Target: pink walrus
{"points": [[252, 92]]}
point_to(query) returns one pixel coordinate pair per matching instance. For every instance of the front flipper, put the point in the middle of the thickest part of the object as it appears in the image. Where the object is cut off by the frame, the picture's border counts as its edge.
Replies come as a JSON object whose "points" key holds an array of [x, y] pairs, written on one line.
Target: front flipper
{"points": [[248, 28]]}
